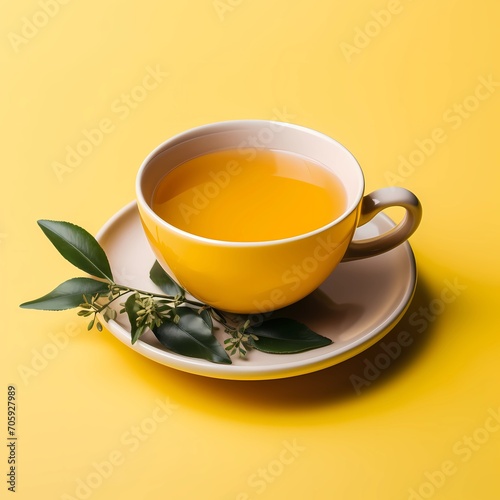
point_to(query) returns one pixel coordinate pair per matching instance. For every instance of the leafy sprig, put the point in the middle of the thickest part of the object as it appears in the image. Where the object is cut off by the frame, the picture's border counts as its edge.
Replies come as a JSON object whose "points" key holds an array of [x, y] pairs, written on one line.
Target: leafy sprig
{"points": [[181, 324]]}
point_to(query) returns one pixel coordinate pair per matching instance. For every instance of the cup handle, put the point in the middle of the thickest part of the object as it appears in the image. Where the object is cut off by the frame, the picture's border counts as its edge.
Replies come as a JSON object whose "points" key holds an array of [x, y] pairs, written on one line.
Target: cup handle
{"points": [[371, 205]]}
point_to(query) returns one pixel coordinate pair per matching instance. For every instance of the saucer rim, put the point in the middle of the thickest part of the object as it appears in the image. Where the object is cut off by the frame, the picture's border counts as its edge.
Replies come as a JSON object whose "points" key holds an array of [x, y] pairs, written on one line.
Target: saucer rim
{"points": [[320, 360]]}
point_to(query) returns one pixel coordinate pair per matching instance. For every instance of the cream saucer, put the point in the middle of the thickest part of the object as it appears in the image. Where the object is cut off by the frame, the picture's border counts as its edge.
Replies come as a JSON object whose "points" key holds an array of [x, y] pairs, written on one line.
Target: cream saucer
{"points": [[357, 305]]}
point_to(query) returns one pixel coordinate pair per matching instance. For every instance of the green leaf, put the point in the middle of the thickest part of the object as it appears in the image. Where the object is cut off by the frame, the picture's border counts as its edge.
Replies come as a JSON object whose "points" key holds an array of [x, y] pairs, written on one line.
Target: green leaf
{"points": [[68, 295], [78, 247], [206, 317], [132, 308], [286, 336], [191, 336], [163, 281]]}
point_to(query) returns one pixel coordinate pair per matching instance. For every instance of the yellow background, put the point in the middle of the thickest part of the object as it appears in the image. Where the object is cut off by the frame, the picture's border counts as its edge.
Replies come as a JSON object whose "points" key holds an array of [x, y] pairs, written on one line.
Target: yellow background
{"points": [[232, 59]]}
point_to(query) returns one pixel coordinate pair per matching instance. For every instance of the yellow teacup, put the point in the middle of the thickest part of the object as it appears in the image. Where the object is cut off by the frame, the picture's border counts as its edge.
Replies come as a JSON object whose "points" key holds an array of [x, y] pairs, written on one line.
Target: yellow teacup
{"points": [[260, 276]]}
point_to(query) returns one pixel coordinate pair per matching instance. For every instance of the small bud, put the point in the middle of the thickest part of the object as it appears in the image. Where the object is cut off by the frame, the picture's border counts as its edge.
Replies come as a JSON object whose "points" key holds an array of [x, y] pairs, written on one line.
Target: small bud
{"points": [[109, 314]]}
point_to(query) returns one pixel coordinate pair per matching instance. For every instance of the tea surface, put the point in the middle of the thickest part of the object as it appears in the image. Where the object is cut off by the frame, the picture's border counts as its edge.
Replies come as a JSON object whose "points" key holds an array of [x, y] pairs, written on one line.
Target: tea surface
{"points": [[226, 195]]}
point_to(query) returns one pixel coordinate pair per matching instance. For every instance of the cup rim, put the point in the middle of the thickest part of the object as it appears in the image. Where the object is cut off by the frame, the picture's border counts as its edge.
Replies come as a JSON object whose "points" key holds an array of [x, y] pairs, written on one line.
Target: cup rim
{"points": [[207, 128]]}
